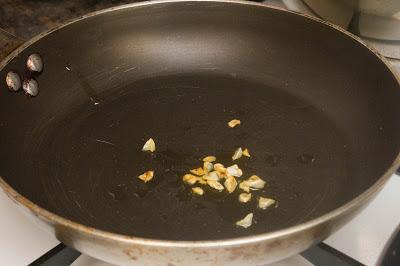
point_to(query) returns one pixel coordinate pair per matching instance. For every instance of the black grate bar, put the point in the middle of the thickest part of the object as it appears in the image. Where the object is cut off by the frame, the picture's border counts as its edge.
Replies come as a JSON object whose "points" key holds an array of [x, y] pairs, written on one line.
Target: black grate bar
{"points": [[60, 255], [325, 255], [319, 255]]}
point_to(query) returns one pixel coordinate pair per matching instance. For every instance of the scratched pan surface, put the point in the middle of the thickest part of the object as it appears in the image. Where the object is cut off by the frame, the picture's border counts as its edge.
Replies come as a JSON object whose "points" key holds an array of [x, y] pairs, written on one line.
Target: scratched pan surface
{"points": [[319, 115]]}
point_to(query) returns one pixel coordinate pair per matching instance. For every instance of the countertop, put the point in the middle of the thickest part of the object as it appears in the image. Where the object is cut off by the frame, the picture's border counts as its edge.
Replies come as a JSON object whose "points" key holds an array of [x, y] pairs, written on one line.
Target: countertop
{"points": [[21, 20]]}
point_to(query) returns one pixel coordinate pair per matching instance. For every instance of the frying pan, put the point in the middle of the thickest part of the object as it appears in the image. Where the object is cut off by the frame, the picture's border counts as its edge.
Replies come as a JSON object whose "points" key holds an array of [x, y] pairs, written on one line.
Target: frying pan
{"points": [[319, 113]]}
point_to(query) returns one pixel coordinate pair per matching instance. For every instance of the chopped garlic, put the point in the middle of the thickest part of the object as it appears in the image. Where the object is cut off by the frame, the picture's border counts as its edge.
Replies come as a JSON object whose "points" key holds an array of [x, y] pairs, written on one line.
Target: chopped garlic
{"points": [[264, 203], [244, 197], [198, 171], [213, 176], [150, 145], [215, 184], [209, 159], [246, 153], [220, 168], [238, 153], [244, 185], [221, 175], [246, 221], [146, 176], [234, 123], [190, 179], [202, 181], [198, 191], [234, 170], [256, 182], [207, 167], [230, 184]]}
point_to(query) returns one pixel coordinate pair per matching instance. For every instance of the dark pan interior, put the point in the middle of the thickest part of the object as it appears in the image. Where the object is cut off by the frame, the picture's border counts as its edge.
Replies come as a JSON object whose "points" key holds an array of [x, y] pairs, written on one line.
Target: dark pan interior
{"points": [[178, 72]]}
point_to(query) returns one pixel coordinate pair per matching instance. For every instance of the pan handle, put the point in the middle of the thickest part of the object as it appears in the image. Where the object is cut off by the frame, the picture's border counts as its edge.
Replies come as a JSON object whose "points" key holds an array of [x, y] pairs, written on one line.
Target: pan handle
{"points": [[8, 43]]}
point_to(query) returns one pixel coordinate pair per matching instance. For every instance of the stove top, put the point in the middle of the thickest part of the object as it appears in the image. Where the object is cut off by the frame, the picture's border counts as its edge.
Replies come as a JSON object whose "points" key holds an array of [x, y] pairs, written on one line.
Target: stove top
{"points": [[362, 240]]}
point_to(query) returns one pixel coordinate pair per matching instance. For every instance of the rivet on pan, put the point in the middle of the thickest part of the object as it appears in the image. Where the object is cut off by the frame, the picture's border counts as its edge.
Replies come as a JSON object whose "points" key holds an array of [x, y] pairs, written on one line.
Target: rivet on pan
{"points": [[31, 87], [34, 63], [13, 81]]}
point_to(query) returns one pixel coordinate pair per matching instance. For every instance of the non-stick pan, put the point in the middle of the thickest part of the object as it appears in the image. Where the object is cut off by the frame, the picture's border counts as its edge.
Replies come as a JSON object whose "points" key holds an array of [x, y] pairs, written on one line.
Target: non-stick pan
{"points": [[319, 113]]}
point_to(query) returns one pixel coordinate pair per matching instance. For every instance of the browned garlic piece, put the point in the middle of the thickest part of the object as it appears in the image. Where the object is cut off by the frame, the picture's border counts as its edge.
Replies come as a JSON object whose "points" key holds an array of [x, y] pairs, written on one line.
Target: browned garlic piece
{"points": [[237, 154], [234, 123], [264, 203], [234, 170], [207, 167], [245, 186], [150, 145], [198, 191], [220, 168], [230, 184], [212, 176], [246, 221], [255, 182], [198, 171], [146, 176], [244, 197], [246, 153], [202, 181], [209, 159], [190, 179], [215, 184]]}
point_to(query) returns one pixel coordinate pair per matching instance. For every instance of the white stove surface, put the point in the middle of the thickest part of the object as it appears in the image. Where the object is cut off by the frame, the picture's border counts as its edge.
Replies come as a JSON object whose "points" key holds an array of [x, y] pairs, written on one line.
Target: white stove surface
{"points": [[363, 239]]}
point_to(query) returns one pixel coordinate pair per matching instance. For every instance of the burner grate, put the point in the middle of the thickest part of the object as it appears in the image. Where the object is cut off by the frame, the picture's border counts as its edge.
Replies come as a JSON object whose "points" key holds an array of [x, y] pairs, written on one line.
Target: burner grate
{"points": [[319, 255]]}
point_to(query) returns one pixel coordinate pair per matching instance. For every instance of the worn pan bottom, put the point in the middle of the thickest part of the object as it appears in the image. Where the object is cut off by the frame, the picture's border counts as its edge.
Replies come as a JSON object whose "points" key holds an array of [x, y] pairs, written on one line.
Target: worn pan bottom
{"points": [[87, 160]]}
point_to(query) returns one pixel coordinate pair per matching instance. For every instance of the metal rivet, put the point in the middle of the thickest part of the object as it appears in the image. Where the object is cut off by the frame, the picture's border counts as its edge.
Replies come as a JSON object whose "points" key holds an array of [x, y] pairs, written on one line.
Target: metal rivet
{"points": [[31, 87], [13, 81], [34, 63]]}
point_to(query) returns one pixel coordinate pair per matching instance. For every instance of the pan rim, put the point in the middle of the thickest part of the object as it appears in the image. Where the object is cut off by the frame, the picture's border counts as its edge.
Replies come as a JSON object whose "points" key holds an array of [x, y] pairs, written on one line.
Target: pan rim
{"points": [[269, 236]]}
